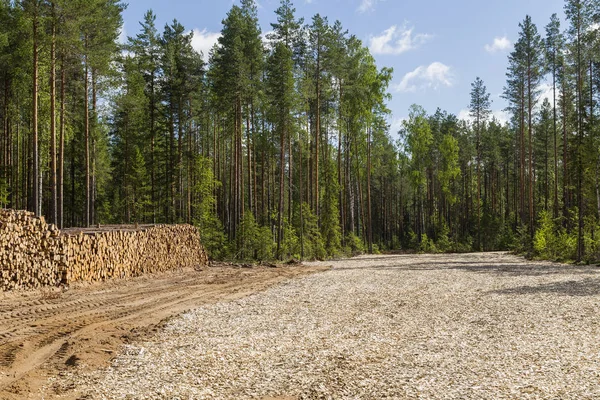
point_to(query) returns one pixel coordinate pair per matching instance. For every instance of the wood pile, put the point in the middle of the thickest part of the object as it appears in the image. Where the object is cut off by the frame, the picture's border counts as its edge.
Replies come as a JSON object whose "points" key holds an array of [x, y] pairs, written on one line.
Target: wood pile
{"points": [[31, 253], [34, 254], [98, 256]]}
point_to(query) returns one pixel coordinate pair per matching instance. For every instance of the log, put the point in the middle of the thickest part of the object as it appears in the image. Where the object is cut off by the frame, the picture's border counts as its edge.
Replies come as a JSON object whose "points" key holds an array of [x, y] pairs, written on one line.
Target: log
{"points": [[35, 254]]}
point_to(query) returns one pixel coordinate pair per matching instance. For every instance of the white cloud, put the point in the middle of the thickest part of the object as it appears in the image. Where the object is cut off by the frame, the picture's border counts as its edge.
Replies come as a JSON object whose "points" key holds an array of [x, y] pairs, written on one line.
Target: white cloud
{"points": [[366, 5], [500, 115], [546, 92], [203, 41], [122, 35], [397, 41], [265, 38], [433, 76], [396, 125], [499, 44], [464, 115]]}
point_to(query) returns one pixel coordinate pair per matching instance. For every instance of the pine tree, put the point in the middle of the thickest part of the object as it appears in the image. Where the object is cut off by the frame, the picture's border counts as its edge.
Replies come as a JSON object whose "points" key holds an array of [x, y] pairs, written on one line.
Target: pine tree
{"points": [[480, 112], [282, 92], [146, 48], [554, 47], [418, 140], [579, 14]]}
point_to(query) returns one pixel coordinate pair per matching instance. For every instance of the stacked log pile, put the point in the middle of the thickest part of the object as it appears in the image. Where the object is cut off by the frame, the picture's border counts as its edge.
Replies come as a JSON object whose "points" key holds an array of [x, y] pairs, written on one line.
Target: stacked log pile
{"points": [[31, 252], [35, 254], [98, 256]]}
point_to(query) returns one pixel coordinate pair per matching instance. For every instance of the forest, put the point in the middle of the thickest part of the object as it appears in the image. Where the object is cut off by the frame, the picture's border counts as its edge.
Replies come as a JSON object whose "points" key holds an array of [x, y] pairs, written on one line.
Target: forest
{"points": [[279, 146]]}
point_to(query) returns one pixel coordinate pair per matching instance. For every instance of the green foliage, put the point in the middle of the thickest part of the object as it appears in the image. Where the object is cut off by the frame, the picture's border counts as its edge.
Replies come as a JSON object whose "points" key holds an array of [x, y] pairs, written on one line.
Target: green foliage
{"points": [[376, 249], [427, 245], [507, 239], [3, 192], [314, 248], [330, 222], [450, 169], [465, 246], [552, 242], [254, 242], [413, 240], [354, 245], [307, 108], [523, 243], [204, 206], [545, 235], [290, 245], [419, 139], [443, 243]]}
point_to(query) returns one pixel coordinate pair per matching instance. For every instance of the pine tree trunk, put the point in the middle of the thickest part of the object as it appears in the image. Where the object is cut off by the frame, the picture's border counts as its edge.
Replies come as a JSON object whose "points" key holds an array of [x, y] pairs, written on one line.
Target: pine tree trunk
{"points": [[339, 168], [53, 167], [190, 159], [555, 205], [179, 161], [152, 148], [580, 112], [249, 158], [317, 134], [478, 150], [530, 131], [290, 178], [522, 153], [369, 206], [281, 191], [37, 201], [93, 187], [61, 155], [87, 141], [566, 204], [301, 202]]}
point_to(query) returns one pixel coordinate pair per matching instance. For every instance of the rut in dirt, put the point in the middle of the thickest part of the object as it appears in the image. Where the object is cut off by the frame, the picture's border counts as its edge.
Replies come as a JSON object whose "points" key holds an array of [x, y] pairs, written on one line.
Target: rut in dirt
{"points": [[45, 332]]}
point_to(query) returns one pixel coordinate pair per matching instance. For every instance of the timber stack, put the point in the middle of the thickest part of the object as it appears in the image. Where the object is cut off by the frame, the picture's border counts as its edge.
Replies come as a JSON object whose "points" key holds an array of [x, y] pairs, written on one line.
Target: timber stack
{"points": [[31, 252], [34, 254]]}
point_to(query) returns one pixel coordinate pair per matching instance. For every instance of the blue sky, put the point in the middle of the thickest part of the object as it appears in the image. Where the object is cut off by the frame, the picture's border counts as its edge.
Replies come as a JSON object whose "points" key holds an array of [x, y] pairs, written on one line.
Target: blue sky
{"points": [[436, 47]]}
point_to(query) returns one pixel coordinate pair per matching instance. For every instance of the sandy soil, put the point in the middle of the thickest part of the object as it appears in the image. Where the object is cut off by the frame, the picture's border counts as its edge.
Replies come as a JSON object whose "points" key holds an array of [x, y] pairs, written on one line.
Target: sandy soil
{"points": [[46, 333], [474, 326]]}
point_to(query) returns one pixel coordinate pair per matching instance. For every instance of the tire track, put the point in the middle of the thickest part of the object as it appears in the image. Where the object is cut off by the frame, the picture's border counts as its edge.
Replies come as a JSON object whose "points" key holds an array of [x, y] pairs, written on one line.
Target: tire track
{"points": [[40, 337]]}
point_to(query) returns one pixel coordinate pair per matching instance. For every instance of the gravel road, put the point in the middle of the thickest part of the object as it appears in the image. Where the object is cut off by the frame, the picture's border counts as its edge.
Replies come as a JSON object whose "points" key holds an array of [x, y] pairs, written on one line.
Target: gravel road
{"points": [[476, 326]]}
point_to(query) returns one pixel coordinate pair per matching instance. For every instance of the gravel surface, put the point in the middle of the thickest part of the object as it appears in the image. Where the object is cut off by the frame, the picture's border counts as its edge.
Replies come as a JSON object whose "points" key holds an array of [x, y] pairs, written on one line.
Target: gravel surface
{"points": [[476, 326]]}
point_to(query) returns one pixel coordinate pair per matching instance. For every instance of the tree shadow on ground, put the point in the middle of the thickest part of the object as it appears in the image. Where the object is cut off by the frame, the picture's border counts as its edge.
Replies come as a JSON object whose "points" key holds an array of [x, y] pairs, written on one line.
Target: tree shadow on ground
{"points": [[586, 287], [479, 266]]}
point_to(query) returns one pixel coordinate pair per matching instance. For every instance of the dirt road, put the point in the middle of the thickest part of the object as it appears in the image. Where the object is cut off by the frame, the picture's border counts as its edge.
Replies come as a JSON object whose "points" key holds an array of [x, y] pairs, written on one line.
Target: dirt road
{"points": [[44, 333]]}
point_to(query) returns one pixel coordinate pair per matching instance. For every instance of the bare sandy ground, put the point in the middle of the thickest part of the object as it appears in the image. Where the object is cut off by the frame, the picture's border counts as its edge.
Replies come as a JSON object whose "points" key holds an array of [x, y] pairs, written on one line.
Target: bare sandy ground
{"points": [[475, 326], [47, 333]]}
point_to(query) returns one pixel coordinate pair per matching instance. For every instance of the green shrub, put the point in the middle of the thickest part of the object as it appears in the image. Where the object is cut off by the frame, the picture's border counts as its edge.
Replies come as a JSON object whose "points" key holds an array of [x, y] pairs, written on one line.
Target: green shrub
{"points": [[522, 243], [254, 242], [427, 245], [552, 242], [506, 238], [443, 243], [264, 244], [544, 237], [376, 249], [311, 238], [290, 245], [354, 244], [465, 246]]}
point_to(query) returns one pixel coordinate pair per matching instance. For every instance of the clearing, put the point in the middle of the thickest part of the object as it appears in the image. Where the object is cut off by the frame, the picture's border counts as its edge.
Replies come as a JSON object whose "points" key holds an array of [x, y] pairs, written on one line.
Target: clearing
{"points": [[466, 326]]}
